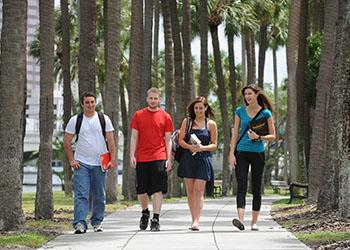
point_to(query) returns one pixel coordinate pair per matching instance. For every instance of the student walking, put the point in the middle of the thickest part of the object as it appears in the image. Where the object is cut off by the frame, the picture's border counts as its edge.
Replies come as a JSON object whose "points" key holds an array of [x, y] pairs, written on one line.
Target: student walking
{"points": [[150, 154], [196, 161], [92, 130], [247, 149]]}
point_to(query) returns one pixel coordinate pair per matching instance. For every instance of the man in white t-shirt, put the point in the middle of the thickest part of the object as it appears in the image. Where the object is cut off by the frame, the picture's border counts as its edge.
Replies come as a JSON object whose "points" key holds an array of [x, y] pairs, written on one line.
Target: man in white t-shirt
{"points": [[86, 163]]}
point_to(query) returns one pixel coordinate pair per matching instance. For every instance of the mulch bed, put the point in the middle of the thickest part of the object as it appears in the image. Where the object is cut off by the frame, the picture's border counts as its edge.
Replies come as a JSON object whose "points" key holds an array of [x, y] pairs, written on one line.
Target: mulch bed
{"points": [[306, 219]]}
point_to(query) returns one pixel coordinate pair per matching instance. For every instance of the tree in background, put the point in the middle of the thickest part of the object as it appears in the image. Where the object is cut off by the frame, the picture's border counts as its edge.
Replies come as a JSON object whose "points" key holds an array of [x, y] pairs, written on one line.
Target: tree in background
{"points": [[13, 64]]}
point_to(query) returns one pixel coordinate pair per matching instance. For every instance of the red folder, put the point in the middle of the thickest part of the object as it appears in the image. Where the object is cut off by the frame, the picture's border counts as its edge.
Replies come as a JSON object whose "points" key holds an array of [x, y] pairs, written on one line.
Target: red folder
{"points": [[105, 159]]}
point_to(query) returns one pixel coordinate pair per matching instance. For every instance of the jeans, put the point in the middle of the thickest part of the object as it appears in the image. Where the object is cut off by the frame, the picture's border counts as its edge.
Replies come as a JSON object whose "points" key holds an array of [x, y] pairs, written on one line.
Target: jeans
{"points": [[257, 163], [87, 178]]}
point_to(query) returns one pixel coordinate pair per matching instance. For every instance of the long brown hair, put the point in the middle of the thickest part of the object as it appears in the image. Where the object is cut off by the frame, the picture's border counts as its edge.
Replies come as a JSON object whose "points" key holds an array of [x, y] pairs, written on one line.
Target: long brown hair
{"points": [[209, 113], [262, 99]]}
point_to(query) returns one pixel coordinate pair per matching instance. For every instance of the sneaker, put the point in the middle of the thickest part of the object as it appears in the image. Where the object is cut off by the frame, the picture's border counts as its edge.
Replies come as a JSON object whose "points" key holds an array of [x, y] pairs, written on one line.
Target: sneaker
{"points": [[98, 228], [155, 225], [79, 229], [238, 224], [255, 227], [144, 221]]}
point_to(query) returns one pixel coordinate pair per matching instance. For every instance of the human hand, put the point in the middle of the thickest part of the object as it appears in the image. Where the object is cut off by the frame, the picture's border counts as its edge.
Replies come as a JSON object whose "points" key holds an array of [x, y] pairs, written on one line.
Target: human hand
{"points": [[74, 164], [252, 135], [168, 165], [232, 161], [132, 161], [112, 163]]}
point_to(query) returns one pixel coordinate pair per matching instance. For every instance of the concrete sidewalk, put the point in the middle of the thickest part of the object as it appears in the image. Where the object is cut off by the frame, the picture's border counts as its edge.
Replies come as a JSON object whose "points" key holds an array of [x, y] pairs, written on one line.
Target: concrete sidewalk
{"points": [[121, 231]]}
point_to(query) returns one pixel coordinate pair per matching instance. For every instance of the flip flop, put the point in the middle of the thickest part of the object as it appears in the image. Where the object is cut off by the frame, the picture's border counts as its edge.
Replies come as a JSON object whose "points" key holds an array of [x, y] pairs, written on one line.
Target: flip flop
{"points": [[194, 228], [238, 224]]}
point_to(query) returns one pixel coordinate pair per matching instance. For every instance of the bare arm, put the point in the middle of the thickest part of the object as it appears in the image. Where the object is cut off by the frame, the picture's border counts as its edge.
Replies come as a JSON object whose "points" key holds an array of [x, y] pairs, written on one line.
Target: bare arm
{"points": [[67, 144], [133, 145], [234, 138], [168, 146], [111, 148]]}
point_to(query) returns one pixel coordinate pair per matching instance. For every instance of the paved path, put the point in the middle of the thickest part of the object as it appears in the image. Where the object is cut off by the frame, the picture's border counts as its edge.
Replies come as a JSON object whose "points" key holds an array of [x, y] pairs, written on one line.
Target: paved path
{"points": [[216, 231]]}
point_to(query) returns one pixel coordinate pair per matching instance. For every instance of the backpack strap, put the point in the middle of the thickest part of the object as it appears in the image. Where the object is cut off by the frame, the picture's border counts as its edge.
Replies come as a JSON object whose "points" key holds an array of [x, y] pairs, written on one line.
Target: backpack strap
{"points": [[78, 125], [101, 117], [80, 116]]}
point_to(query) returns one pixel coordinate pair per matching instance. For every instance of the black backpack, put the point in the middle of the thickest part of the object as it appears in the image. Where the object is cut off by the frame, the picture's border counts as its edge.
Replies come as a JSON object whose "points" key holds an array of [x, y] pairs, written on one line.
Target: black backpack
{"points": [[80, 121]]}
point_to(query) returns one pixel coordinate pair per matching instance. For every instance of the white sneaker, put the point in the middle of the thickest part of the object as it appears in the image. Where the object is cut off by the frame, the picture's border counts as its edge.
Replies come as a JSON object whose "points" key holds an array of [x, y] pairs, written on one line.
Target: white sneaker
{"points": [[255, 227], [79, 229], [98, 228]]}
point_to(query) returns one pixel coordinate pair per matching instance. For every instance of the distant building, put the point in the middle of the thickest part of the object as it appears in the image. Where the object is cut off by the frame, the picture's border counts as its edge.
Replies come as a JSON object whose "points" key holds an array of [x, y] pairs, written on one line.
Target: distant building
{"points": [[31, 140]]}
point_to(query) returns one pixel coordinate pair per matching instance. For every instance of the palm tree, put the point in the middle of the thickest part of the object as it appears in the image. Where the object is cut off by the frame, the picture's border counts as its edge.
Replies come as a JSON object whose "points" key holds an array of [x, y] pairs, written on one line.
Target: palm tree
{"points": [[292, 62], [344, 148], [12, 81], [318, 138], [215, 19], [134, 79], [112, 59], [278, 38], [147, 47], [203, 31], [318, 19], [67, 93], [178, 62], [156, 43], [174, 181], [44, 197], [329, 188], [189, 94], [87, 48]]}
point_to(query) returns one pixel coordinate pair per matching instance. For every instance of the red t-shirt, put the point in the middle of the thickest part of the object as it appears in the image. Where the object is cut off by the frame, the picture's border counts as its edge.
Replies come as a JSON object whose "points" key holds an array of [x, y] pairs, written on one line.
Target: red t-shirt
{"points": [[151, 127]]}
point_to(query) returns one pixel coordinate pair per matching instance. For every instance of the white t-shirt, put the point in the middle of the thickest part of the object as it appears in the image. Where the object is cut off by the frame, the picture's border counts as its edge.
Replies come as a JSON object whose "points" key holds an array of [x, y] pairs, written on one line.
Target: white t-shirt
{"points": [[91, 142]]}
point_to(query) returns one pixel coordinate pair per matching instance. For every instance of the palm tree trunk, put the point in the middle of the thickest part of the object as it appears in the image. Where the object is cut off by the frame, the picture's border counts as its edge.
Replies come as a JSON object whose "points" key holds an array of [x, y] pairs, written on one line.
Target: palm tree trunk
{"points": [[344, 147], [189, 94], [203, 89], [223, 108], [87, 48], [232, 69], [179, 84], [67, 93], [318, 21], [134, 79], [174, 183], [44, 197], [155, 44], [275, 80], [244, 60], [292, 62], [318, 138], [147, 48], [12, 81], [262, 54], [329, 188], [112, 61]]}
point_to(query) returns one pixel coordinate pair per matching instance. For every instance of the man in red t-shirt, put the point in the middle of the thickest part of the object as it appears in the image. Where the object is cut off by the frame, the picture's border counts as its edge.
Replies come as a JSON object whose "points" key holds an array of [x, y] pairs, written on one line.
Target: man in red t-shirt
{"points": [[151, 129]]}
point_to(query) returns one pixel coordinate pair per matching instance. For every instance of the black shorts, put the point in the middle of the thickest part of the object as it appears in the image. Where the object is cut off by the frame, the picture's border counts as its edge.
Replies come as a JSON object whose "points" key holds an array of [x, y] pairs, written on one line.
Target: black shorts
{"points": [[151, 177]]}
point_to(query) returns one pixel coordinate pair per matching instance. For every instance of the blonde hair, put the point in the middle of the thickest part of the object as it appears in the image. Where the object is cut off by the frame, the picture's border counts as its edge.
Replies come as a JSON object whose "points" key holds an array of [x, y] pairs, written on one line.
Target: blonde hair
{"points": [[153, 90]]}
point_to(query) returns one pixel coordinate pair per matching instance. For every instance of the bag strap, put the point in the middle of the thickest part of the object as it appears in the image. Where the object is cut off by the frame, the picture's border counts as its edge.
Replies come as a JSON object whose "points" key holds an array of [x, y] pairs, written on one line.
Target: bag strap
{"points": [[247, 128], [189, 125], [80, 121]]}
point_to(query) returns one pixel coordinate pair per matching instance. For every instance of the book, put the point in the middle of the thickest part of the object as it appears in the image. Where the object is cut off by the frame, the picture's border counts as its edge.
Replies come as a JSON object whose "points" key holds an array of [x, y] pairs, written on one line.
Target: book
{"points": [[260, 126], [105, 159], [195, 140]]}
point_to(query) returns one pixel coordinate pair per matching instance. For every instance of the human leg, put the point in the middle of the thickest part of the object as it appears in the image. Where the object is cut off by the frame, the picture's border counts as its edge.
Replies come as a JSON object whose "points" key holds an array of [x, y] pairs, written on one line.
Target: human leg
{"points": [[81, 188], [242, 170], [142, 180], [189, 184], [98, 189], [258, 162], [198, 201]]}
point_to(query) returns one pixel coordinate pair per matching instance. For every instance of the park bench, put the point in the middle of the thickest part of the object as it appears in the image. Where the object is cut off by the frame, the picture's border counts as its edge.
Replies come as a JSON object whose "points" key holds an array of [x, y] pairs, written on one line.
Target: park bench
{"points": [[277, 186], [217, 192], [295, 187]]}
